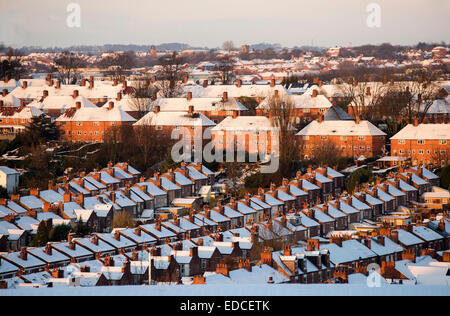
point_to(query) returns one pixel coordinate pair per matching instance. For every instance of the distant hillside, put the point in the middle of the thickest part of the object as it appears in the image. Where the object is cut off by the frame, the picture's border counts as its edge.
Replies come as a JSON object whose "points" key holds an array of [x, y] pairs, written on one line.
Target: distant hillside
{"points": [[108, 48]]}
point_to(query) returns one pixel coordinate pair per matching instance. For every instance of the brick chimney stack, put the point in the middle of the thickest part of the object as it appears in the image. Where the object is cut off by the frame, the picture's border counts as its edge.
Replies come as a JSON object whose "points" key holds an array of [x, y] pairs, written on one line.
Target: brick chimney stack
{"points": [[272, 83], [189, 96], [119, 96], [205, 84], [314, 94], [23, 254], [75, 94], [320, 119], [78, 105], [110, 106]]}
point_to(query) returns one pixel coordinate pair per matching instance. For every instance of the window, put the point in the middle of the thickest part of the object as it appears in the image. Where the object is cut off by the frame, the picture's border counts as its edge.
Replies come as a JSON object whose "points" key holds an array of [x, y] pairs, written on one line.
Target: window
{"points": [[79, 123], [401, 141], [343, 137], [442, 142], [158, 128], [421, 142], [204, 264], [96, 123], [305, 137], [361, 147], [421, 151], [323, 137], [361, 137], [306, 110]]}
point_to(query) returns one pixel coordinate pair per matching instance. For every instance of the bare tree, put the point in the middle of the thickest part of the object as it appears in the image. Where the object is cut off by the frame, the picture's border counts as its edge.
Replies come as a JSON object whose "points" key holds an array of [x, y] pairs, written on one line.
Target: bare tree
{"points": [[118, 64], [142, 97], [390, 108], [123, 219], [68, 65], [282, 115], [150, 143], [327, 153], [171, 76], [420, 95], [228, 46], [12, 65], [363, 95], [225, 66]]}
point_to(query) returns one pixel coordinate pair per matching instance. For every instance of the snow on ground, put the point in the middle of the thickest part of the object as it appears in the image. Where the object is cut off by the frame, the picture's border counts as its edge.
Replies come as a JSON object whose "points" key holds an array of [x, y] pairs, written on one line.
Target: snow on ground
{"points": [[233, 290]]}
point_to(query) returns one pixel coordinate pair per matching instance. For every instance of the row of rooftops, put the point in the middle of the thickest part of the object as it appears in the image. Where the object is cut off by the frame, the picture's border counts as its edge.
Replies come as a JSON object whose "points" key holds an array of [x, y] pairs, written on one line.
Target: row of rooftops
{"points": [[102, 251], [79, 198], [212, 218]]}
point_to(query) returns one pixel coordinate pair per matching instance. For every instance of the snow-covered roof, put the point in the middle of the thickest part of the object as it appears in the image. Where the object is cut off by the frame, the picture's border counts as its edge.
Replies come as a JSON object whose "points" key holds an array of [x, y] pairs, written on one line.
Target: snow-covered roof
{"points": [[96, 115], [161, 234], [175, 119], [30, 262], [122, 242], [340, 128], [216, 91], [426, 233], [407, 238], [351, 250], [199, 104], [388, 248], [55, 256], [244, 123], [100, 246], [423, 132], [79, 252]]}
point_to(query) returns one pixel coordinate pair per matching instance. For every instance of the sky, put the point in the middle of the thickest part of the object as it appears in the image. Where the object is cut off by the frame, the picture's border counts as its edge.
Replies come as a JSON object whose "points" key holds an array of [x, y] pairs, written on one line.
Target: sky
{"points": [[211, 22]]}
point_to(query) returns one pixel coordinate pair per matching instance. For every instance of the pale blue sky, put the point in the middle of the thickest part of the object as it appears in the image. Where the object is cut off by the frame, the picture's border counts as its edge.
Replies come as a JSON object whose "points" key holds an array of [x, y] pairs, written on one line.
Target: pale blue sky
{"points": [[211, 22]]}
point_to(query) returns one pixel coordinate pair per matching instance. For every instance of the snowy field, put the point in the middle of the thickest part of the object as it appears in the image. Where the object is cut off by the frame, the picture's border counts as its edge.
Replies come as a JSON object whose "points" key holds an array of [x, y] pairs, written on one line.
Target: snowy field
{"points": [[233, 290]]}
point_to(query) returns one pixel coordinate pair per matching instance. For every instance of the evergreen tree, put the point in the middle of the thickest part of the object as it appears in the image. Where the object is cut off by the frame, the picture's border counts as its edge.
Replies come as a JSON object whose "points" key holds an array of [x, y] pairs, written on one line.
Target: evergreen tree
{"points": [[59, 233], [81, 229], [41, 238], [444, 176], [358, 177]]}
